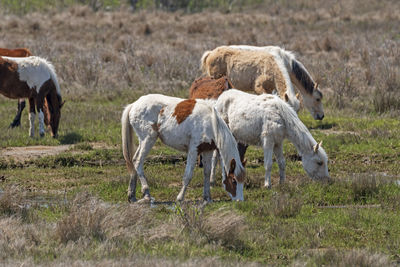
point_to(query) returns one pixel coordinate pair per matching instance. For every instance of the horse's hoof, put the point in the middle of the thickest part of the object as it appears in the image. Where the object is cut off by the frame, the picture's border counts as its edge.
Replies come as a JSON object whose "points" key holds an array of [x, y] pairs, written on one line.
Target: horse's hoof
{"points": [[131, 199], [144, 200], [268, 186], [207, 200], [41, 135]]}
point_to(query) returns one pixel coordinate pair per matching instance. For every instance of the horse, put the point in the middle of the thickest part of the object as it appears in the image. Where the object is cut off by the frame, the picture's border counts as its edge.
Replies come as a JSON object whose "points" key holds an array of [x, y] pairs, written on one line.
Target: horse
{"points": [[33, 78], [18, 52], [263, 70], [265, 120], [193, 126], [210, 88]]}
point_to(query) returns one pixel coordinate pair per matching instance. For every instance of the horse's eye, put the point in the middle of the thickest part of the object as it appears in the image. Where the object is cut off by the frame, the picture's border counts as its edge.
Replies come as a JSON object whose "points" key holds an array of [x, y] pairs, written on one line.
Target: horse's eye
{"points": [[318, 99], [320, 163]]}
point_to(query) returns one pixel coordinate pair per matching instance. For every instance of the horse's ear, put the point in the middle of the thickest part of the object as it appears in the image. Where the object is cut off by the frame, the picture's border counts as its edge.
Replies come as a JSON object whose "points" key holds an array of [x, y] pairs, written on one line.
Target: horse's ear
{"points": [[316, 147], [286, 97], [297, 95], [233, 166], [244, 162], [315, 85]]}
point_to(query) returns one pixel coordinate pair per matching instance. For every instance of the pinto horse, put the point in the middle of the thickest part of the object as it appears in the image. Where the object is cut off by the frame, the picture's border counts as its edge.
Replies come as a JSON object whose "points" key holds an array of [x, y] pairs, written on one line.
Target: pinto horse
{"points": [[18, 52], [265, 120], [263, 70], [190, 125], [33, 78]]}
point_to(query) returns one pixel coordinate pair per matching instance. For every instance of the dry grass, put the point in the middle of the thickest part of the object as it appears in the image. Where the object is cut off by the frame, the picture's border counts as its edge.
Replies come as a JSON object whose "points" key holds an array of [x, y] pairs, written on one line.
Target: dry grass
{"points": [[332, 257], [354, 54]]}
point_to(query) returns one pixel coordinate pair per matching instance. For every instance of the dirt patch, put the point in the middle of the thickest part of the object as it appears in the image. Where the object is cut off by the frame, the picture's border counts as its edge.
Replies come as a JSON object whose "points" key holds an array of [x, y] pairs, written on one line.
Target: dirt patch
{"points": [[22, 154]]}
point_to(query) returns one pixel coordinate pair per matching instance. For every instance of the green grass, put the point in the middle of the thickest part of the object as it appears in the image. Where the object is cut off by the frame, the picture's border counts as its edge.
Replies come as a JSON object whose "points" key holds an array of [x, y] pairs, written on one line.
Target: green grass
{"points": [[302, 220]]}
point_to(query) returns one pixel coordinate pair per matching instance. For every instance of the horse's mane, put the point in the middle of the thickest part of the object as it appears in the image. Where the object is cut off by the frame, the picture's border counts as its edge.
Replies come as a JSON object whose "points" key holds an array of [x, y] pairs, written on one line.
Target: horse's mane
{"points": [[298, 69]]}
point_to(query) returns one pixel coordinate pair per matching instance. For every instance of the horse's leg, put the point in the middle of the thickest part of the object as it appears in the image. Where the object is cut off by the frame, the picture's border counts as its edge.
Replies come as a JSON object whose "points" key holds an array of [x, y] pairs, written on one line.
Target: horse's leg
{"points": [[214, 162], [133, 180], [278, 151], [144, 147], [39, 108], [242, 151], [268, 149], [17, 120], [207, 157], [187, 177], [32, 114]]}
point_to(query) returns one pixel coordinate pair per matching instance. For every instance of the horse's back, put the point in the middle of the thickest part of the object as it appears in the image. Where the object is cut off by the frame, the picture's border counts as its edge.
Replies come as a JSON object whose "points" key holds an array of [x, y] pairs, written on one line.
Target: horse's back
{"points": [[18, 52], [209, 88]]}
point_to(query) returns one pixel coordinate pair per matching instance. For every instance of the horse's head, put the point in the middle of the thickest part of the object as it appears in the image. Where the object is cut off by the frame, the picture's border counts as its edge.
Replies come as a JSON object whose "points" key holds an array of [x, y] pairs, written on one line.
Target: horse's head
{"points": [[234, 184], [315, 163], [53, 112], [313, 102]]}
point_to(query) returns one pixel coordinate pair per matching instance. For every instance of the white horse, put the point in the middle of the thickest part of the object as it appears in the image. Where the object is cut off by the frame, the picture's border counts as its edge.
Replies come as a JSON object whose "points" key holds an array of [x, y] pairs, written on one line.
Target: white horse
{"points": [[265, 120], [191, 125]]}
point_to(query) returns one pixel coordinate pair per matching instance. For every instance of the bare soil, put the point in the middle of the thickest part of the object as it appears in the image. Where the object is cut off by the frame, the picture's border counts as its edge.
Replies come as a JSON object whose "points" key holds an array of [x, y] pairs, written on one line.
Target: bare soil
{"points": [[22, 154]]}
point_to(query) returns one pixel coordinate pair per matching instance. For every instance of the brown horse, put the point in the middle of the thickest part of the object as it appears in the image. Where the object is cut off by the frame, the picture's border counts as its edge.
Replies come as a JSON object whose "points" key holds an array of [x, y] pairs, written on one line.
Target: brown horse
{"points": [[19, 52], [33, 78]]}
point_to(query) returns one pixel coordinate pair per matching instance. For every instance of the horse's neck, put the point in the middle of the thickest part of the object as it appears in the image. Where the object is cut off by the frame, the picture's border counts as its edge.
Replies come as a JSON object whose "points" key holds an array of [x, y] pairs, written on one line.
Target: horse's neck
{"points": [[283, 84], [299, 135]]}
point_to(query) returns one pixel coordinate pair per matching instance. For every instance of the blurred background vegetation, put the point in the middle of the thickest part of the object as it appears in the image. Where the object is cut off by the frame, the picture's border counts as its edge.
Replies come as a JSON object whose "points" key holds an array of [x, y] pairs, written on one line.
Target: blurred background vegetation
{"points": [[190, 6]]}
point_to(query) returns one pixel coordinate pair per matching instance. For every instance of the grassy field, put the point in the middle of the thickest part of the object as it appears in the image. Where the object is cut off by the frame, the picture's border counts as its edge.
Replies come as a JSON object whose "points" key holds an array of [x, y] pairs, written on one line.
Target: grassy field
{"points": [[71, 209]]}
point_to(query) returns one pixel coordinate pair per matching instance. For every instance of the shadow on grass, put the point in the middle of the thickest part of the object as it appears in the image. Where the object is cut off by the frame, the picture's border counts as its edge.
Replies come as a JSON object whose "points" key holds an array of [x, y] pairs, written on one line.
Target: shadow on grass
{"points": [[70, 138], [324, 126]]}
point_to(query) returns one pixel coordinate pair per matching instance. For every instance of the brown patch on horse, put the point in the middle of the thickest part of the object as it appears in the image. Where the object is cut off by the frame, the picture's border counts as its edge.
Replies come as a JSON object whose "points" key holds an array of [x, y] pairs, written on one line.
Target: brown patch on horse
{"points": [[206, 147], [230, 181], [10, 84], [18, 52], [209, 88], [183, 110]]}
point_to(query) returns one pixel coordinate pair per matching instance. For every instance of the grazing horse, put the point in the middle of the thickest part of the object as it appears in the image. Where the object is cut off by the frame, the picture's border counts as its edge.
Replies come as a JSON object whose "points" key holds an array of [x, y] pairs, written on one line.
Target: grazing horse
{"points": [[187, 125], [18, 52], [265, 120], [33, 78], [210, 88], [264, 69]]}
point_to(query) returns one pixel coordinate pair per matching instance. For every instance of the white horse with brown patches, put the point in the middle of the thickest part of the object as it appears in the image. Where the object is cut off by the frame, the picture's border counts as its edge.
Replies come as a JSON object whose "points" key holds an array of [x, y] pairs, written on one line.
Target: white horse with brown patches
{"points": [[192, 126], [18, 52], [33, 78], [271, 121], [263, 70]]}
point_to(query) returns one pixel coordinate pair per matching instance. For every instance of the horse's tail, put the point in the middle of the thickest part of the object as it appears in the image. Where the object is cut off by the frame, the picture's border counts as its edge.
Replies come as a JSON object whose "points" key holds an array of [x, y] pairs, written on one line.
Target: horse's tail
{"points": [[128, 144], [226, 145], [203, 59]]}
